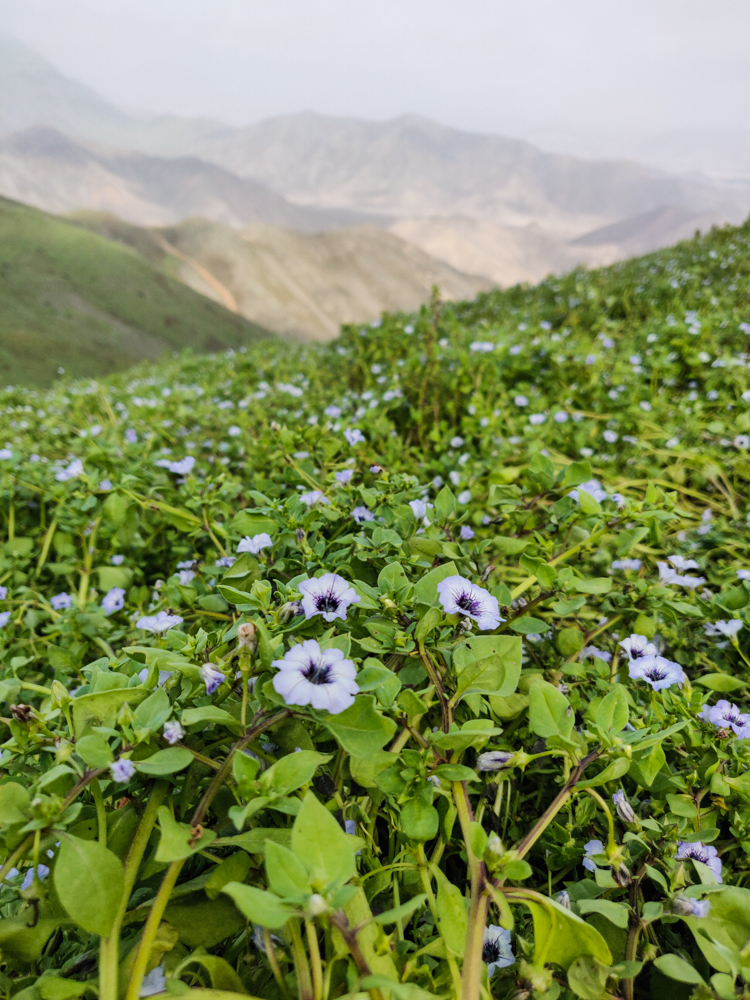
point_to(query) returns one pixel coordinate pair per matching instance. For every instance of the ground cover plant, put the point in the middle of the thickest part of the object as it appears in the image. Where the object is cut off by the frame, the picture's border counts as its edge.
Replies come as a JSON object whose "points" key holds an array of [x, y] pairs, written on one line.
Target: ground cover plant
{"points": [[411, 666]]}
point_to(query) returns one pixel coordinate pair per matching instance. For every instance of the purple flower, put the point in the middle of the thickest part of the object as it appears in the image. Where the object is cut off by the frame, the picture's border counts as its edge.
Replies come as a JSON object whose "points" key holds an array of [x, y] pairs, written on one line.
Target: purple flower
{"points": [[113, 600], [312, 497], [704, 853], [117, 560], [354, 435], [344, 476], [255, 543], [726, 716], [4, 618], [158, 623], [130, 436], [72, 471], [726, 628], [122, 770], [637, 646], [309, 675], [593, 848], [3, 593], [61, 601], [497, 952], [461, 597], [656, 671], [467, 533], [212, 677], [328, 595], [419, 507], [173, 732], [493, 760], [361, 514]]}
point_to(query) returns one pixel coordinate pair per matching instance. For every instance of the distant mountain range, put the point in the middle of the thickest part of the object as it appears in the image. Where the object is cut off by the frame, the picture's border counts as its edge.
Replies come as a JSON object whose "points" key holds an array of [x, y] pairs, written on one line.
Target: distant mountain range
{"points": [[481, 204]]}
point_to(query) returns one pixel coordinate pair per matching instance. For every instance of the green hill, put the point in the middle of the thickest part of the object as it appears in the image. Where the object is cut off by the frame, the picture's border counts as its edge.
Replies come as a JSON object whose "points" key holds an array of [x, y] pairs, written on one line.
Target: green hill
{"points": [[70, 298]]}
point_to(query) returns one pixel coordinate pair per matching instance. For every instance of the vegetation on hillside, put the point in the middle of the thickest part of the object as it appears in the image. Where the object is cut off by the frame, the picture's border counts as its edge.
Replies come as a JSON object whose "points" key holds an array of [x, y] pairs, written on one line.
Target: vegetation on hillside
{"points": [[70, 299], [413, 666]]}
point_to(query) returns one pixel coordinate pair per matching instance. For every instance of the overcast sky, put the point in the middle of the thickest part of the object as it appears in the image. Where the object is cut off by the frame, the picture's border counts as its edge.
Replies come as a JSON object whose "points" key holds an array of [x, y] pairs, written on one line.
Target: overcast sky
{"points": [[515, 66]]}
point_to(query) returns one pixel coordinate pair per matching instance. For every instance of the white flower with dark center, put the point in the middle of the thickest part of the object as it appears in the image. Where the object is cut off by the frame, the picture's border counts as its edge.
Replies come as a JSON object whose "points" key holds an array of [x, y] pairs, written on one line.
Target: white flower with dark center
{"points": [[354, 436], [173, 732], [742, 441], [728, 629], [493, 760], [497, 952], [462, 597], [344, 476], [72, 471], [60, 602], [122, 770], [636, 646], [212, 677], [361, 514], [158, 623], [328, 595], [255, 543], [656, 671], [591, 849], [726, 716], [312, 497], [309, 675], [113, 600], [704, 853], [610, 436], [626, 565]]}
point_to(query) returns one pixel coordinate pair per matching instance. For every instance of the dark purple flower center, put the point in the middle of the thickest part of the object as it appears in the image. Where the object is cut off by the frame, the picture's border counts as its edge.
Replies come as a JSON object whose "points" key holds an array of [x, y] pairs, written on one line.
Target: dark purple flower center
{"points": [[490, 951], [697, 854], [468, 603], [656, 673], [317, 673], [327, 602]]}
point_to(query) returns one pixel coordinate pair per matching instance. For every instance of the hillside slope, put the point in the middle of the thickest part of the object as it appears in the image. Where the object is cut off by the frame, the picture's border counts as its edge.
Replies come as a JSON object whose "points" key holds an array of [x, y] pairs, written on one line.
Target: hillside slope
{"points": [[72, 299]]}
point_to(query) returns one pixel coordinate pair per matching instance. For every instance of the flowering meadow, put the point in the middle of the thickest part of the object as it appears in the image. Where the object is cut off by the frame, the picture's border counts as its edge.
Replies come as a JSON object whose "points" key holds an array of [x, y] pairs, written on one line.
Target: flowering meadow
{"points": [[412, 666]]}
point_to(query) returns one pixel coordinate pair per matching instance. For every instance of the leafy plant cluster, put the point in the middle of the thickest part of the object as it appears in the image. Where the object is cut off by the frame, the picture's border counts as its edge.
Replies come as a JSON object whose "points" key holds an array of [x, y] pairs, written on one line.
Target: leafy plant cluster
{"points": [[410, 666]]}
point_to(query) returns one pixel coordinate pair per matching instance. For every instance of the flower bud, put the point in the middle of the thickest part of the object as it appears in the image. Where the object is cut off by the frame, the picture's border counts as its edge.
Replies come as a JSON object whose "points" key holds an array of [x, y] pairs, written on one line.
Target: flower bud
{"points": [[60, 696], [623, 807], [316, 905], [289, 610], [493, 760], [495, 846], [247, 636], [300, 535], [125, 716], [563, 899]]}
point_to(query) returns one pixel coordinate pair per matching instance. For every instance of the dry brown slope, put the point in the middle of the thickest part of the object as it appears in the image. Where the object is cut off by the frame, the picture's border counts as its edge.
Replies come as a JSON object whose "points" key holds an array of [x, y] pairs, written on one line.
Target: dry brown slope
{"points": [[307, 285]]}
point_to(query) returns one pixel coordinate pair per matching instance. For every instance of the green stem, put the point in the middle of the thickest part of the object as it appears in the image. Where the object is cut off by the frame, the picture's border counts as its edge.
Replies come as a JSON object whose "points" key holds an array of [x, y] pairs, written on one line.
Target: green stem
{"points": [[478, 904], [274, 963], [304, 983], [611, 844], [16, 856], [317, 967], [101, 812], [446, 709], [531, 580], [151, 927]]}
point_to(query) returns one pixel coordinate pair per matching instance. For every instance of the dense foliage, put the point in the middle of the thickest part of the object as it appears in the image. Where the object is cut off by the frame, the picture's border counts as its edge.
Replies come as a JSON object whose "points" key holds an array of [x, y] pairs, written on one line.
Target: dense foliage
{"points": [[405, 666]]}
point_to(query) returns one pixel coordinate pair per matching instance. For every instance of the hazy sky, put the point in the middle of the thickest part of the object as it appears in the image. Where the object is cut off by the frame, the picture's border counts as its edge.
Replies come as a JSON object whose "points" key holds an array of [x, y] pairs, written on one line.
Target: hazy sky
{"points": [[513, 66]]}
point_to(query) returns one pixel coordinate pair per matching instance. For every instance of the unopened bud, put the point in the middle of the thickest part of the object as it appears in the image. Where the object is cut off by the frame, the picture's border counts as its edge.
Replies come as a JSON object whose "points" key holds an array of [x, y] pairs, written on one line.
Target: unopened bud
{"points": [[22, 713], [316, 905], [60, 696], [623, 807], [289, 610], [495, 845], [300, 535], [247, 636], [563, 899]]}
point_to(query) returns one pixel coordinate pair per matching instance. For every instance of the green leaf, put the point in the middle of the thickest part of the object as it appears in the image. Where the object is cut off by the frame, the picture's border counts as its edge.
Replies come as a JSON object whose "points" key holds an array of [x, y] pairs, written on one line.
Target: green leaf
{"points": [[456, 772], [365, 770], [550, 713], [529, 626], [451, 910], [248, 522], [428, 622], [575, 474], [19, 941], [322, 846], [721, 682], [616, 769], [94, 751], [425, 591], [517, 870], [488, 664], [14, 803], [292, 772], [220, 973], [402, 911], [596, 585], [101, 707], [646, 765], [262, 908], [209, 713], [616, 913], [628, 538], [286, 874], [612, 714], [360, 729], [231, 869], [90, 881], [561, 937], [168, 761], [176, 837], [57, 988], [587, 978], [445, 504], [677, 968], [419, 820], [587, 503], [153, 712], [510, 546]]}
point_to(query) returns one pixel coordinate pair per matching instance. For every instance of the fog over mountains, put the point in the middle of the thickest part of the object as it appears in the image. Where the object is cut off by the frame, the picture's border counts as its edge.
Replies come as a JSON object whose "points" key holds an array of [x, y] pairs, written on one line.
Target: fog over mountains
{"points": [[487, 206]]}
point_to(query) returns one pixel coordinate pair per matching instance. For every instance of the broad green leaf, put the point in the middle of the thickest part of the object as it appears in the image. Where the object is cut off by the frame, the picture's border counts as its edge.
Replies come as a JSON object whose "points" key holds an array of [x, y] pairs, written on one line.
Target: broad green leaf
{"points": [[255, 841], [646, 765], [614, 770], [94, 751], [209, 713], [445, 504], [488, 664], [57, 988], [262, 908], [595, 585], [20, 941], [175, 842], [167, 761], [561, 937], [221, 974], [14, 803], [451, 910], [365, 770], [101, 707], [321, 845], [588, 505], [291, 772], [677, 968], [90, 881], [425, 591], [550, 713], [721, 682], [153, 712], [727, 923], [360, 729], [616, 913], [250, 522], [587, 978], [402, 911], [286, 874], [456, 772], [527, 625], [575, 474], [419, 820], [202, 922], [612, 714], [628, 538], [231, 869]]}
